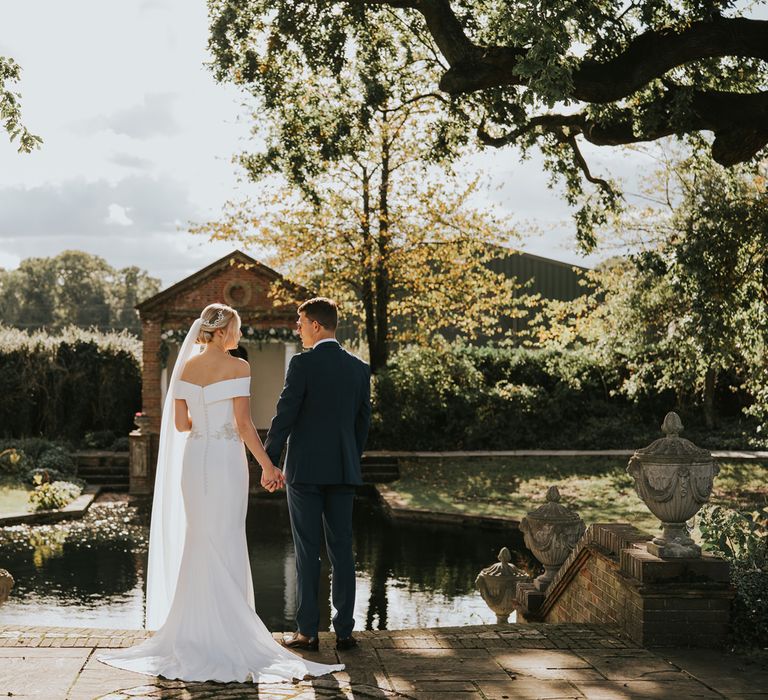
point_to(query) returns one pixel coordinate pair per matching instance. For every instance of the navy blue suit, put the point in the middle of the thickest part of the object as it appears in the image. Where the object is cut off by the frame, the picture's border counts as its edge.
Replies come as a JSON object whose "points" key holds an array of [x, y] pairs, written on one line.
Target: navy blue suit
{"points": [[323, 413]]}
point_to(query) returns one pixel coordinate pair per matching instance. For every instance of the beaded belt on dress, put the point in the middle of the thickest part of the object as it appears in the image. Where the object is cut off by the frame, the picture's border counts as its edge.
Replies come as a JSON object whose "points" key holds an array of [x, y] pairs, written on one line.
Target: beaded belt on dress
{"points": [[225, 432]]}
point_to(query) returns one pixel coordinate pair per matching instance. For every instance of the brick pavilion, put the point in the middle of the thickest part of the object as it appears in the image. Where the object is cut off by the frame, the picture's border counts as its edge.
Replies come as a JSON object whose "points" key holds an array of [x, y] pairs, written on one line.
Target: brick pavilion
{"points": [[268, 342]]}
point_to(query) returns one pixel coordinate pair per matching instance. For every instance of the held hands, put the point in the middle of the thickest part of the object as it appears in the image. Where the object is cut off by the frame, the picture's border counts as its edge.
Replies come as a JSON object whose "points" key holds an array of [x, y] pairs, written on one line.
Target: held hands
{"points": [[272, 479]]}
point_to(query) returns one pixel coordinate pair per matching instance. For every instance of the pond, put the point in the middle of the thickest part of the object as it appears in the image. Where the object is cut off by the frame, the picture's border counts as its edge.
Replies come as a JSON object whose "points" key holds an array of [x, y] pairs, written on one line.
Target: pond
{"points": [[91, 573]]}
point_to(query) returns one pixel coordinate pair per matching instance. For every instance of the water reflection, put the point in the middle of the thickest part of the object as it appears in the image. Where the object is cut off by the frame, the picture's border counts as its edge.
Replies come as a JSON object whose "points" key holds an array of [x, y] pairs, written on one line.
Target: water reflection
{"points": [[92, 572]]}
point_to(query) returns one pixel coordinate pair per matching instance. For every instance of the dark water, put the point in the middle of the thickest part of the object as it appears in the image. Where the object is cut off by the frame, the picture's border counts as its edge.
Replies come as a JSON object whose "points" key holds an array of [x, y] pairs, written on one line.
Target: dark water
{"points": [[91, 573]]}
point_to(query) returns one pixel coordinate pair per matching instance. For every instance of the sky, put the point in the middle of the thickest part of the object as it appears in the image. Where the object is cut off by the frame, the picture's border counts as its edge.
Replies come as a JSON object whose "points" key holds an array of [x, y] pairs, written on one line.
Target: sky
{"points": [[139, 139]]}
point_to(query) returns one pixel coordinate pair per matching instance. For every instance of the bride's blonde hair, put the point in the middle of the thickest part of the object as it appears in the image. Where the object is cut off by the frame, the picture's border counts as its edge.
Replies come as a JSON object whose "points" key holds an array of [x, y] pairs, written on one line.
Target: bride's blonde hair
{"points": [[216, 317]]}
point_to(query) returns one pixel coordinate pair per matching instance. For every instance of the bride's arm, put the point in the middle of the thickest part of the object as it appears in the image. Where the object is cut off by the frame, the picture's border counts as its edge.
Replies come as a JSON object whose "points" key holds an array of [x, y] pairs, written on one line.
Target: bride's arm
{"points": [[181, 416], [251, 438]]}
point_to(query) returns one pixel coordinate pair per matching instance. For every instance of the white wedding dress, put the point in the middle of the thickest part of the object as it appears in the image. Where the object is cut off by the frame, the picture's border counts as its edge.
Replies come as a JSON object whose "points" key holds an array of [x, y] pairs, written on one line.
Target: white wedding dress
{"points": [[212, 632]]}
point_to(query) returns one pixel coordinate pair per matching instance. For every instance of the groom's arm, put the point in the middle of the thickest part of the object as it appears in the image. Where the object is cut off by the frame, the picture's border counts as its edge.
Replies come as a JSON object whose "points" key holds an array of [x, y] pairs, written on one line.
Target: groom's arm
{"points": [[363, 418], [288, 407]]}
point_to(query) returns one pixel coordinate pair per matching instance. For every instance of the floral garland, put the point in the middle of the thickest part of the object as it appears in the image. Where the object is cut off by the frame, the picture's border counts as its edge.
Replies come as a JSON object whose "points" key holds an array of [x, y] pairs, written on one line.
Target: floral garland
{"points": [[175, 336]]}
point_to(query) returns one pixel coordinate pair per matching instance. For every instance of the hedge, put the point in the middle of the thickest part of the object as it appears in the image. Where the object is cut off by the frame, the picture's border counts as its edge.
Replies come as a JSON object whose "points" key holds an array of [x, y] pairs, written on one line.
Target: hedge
{"points": [[454, 396], [68, 384]]}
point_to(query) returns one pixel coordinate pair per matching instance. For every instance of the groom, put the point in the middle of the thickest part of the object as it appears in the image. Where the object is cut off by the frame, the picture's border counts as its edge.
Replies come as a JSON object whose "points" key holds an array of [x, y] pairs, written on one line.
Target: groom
{"points": [[324, 412]]}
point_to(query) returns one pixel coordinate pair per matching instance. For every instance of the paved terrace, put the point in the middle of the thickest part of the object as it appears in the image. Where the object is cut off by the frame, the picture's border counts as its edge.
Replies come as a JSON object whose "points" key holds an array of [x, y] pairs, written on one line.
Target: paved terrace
{"points": [[457, 663]]}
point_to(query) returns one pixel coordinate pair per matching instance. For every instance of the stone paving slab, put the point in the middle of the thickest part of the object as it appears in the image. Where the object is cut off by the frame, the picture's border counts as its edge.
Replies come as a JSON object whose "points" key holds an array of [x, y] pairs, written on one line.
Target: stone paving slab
{"points": [[494, 662], [742, 676]]}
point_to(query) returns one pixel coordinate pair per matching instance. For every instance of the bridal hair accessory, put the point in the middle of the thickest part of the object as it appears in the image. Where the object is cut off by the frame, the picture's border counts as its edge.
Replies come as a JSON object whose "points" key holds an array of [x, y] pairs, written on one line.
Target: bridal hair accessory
{"points": [[217, 322]]}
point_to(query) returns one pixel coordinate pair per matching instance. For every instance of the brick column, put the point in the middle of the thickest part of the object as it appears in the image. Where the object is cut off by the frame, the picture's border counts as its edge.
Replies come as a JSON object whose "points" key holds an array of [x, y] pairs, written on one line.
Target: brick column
{"points": [[150, 375]]}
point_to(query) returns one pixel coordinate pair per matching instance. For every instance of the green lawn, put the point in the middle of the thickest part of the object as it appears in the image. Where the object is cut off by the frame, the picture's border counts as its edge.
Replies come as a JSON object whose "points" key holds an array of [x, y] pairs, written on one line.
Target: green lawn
{"points": [[597, 487], [14, 499]]}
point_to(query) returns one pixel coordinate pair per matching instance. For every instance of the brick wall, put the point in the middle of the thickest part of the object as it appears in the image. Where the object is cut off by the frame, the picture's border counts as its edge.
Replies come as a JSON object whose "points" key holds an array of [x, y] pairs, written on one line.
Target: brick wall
{"points": [[611, 578], [593, 593]]}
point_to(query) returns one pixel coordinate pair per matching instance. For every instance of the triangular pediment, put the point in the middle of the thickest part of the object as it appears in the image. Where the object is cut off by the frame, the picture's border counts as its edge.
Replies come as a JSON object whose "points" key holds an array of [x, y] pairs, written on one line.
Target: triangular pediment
{"points": [[182, 293]]}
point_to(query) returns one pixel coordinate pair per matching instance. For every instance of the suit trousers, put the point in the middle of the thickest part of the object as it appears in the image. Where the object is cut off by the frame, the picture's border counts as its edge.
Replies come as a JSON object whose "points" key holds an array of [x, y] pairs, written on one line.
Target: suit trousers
{"points": [[317, 509]]}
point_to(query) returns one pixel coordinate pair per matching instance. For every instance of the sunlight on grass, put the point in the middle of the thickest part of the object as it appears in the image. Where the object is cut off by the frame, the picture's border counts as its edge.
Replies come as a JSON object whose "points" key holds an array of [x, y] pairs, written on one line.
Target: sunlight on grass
{"points": [[14, 499], [597, 487]]}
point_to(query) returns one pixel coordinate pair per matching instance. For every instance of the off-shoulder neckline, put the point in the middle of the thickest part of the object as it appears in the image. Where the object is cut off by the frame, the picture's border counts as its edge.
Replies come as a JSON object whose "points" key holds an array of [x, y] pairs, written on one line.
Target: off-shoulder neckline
{"points": [[205, 386]]}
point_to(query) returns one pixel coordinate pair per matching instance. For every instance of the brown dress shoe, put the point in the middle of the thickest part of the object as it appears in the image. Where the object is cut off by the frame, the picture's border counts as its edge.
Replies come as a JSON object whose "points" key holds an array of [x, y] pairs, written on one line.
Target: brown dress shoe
{"points": [[300, 641], [346, 643]]}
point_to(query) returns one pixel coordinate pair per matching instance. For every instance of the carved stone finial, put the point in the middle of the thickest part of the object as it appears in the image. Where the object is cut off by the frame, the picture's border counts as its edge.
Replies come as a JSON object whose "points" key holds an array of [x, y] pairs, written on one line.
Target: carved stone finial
{"points": [[672, 425], [497, 585], [674, 478], [551, 532], [553, 494], [6, 583]]}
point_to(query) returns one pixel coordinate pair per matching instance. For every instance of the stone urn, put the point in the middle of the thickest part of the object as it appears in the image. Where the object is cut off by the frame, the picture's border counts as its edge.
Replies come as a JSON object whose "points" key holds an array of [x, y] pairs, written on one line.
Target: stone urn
{"points": [[674, 479], [551, 532], [497, 584], [6, 583], [142, 421]]}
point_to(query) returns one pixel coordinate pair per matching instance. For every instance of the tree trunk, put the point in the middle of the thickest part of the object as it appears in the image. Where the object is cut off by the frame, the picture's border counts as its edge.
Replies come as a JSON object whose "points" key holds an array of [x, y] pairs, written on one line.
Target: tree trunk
{"points": [[380, 351], [710, 382], [367, 271]]}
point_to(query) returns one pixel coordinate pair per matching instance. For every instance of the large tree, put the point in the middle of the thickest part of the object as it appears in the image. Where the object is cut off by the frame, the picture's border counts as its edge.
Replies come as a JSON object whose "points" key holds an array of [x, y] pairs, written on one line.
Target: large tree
{"points": [[362, 211], [690, 305], [10, 107], [555, 73], [73, 288]]}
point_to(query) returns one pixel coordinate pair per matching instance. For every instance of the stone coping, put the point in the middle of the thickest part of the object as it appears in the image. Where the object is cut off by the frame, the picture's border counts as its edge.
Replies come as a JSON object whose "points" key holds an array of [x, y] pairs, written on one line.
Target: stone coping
{"points": [[717, 454], [75, 509], [490, 662]]}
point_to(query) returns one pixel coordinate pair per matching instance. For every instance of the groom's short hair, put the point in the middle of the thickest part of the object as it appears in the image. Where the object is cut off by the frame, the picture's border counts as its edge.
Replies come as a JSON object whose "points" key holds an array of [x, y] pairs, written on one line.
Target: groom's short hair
{"points": [[322, 310]]}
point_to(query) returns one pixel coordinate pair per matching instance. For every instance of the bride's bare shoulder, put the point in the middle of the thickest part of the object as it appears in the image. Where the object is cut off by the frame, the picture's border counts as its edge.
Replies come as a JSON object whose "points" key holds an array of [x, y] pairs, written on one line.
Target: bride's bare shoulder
{"points": [[189, 369], [240, 367]]}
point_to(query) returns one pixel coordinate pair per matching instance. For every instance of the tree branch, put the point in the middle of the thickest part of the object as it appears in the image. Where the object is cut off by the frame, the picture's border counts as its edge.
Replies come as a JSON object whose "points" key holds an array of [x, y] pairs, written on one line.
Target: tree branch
{"points": [[739, 122], [578, 158], [647, 57]]}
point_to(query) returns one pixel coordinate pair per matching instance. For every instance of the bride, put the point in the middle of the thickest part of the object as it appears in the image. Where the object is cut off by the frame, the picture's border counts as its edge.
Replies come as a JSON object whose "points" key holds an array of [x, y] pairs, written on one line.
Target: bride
{"points": [[199, 586]]}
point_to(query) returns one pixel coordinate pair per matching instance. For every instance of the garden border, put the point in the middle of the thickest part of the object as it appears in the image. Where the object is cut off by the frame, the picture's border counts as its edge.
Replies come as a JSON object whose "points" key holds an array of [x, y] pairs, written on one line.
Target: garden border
{"points": [[75, 509]]}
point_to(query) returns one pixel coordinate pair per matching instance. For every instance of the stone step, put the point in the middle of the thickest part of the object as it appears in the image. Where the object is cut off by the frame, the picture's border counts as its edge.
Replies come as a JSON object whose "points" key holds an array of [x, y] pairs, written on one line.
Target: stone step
{"points": [[116, 488], [102, 469], [103, 478]]}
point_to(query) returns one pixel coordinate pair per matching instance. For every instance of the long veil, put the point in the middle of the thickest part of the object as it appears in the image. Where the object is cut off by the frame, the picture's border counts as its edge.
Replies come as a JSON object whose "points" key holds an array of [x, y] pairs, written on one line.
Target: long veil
{"points": [[169, 524]]}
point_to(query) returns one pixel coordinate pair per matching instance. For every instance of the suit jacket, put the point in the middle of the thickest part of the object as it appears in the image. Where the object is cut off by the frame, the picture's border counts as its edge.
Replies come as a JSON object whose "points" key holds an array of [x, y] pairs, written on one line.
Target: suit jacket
{"points": [[324, 413]]}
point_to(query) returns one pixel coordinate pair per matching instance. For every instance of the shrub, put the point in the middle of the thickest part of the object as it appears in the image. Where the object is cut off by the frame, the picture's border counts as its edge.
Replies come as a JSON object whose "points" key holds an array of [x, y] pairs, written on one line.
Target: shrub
{"points": [[32, 447], [67, 384], [58, 459], [742, 538], [46, 475], [35, 453], [456, 396], [51, 475], [13, 462], [52, 495], [99, 439], [121, 444]]}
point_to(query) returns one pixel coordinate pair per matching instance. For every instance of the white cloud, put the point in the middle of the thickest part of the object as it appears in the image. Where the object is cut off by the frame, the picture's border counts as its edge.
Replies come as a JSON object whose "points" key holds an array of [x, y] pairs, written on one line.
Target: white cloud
{"points": [[153, 116], [126, 160], [118, 215], [76, 208]]}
